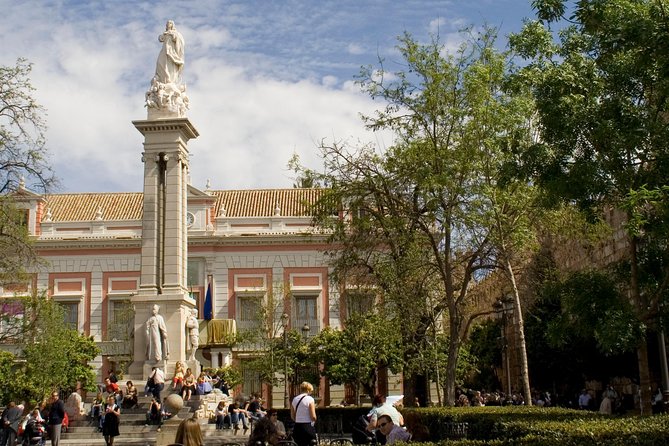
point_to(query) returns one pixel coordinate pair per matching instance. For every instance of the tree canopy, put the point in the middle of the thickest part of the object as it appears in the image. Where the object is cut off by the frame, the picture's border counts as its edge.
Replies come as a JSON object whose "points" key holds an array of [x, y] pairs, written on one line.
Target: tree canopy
{"points": [[601, 91], [50, 354], [417, 217], [355, 354]]}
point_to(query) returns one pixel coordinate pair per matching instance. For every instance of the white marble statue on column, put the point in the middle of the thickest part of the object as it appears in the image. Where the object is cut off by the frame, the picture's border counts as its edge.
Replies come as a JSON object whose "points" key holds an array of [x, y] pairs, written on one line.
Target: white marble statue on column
{"points": [[167, 92], [157, 347], [193, 327]]}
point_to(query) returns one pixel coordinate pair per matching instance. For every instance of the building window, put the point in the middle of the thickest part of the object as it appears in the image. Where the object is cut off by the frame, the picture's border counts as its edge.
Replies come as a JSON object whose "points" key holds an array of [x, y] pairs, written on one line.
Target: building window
{"points": [[196, 282], [70, 293], [359, 301], [306, 314], [11, 320], [22, 217], [251, 379], [121, 317], [249, 312], [70, 314]]}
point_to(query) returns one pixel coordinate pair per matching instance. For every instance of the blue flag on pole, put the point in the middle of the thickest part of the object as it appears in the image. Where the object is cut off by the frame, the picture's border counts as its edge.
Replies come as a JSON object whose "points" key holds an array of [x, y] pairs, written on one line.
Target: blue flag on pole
{"points": [[208, 310]]}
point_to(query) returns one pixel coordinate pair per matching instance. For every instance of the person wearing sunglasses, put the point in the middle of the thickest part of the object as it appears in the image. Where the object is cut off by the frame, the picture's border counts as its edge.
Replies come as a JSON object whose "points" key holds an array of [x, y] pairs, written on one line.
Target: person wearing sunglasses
{"points": [[280, 427], [391, 431]]}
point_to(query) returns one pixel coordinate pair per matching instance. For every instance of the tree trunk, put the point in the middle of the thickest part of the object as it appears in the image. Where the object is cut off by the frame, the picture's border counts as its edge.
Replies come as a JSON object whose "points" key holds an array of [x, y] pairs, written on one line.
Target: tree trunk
{"points": [[452, 364], [644, 378], [519, 333], [437, 374], [414, 386], [409, 390], [358, 384], [437, 377], [642, 349]]}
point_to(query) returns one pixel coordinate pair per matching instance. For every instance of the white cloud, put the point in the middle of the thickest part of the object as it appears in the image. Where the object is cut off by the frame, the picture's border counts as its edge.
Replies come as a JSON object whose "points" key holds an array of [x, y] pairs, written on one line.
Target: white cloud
{"points": [[355, 48], [265, 79], [250, 131], [206, 38], [330, 81]]}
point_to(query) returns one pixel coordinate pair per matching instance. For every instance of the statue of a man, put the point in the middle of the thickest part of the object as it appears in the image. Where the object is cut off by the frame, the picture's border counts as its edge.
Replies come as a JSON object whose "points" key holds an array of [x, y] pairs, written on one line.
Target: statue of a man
{"points": [[193, 327], [171, 58], [157, 347]]}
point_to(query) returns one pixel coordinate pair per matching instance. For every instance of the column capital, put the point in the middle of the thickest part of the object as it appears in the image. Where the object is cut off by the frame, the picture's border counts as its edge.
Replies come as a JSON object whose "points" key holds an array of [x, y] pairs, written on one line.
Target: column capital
{"points": [[181, 125]]}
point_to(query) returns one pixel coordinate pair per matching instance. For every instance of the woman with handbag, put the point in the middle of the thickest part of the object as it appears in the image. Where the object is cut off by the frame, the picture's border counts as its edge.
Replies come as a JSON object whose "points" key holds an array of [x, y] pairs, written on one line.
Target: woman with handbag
{"points": [[303, 412], [112, 418]]}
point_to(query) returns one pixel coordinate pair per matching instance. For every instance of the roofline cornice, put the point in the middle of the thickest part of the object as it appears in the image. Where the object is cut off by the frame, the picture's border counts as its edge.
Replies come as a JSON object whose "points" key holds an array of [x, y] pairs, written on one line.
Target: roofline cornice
{"points": [[258, 240], [83, 243]]}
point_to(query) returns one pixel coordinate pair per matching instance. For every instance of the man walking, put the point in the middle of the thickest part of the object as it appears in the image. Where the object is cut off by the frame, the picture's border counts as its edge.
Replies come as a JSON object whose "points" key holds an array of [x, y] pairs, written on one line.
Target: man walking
{"points": [[56, 415], [11, 418], [158, 382]]}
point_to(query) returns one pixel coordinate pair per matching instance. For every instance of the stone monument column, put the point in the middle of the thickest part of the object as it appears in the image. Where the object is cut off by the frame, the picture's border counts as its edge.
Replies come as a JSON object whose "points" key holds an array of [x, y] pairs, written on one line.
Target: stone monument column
{"points": [[164, 230]]}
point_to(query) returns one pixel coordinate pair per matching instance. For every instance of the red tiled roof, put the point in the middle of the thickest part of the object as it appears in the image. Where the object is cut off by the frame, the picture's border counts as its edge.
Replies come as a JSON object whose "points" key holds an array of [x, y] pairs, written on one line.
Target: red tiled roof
{"points": [[262, 202], [128, 205], [84, 207]]}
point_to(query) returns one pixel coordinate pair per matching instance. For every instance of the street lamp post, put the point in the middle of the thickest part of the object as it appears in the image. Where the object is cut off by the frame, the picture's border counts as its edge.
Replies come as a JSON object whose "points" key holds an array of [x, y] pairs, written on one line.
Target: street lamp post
{"points": [[305, 338], [284, 323]]}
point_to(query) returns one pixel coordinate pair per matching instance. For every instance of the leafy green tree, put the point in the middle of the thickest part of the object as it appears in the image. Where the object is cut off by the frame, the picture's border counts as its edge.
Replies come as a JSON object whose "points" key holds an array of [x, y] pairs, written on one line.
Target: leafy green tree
{"points": [[16, 247], [601, 91], [304, 178], [265, 335], [417, 216], [59, 361], [592, 307], [564, 354], [231, 375], [485, 345], [7, 376], [296, 355], [49, 354], [514, 218], [355, 354]]}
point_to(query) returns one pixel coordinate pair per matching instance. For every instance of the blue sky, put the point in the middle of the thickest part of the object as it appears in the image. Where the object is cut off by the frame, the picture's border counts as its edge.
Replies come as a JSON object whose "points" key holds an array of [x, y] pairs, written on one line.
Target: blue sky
{"points": [[266, 79]]}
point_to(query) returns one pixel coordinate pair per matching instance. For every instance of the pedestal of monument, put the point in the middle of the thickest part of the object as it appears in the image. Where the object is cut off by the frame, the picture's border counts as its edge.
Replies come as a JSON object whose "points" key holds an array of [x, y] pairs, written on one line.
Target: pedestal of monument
{"points": [[175, 310]]}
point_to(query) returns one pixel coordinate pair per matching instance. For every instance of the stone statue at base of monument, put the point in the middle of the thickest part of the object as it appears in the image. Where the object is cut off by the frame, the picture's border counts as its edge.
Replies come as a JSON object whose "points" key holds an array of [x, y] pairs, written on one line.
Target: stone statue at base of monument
{"points": [[167, 93], [157, 347], [193, 327]]}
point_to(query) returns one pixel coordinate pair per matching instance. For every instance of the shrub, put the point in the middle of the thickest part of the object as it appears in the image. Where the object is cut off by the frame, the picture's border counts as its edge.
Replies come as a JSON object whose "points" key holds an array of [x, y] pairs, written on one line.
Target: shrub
{"points": [[531, 426]]}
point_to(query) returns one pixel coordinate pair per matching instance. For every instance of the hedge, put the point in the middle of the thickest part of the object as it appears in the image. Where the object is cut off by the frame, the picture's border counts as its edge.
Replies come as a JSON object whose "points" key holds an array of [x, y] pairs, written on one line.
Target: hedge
{"points": [[521, 426], [530, 426]]}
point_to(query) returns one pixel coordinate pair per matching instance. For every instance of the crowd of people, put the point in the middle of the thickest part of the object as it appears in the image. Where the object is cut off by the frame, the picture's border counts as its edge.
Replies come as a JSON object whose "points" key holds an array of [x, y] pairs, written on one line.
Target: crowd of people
{"points": [[383, 424], [267, 429], [611, 399], [186, 384], [46, 417], [466, 398]]}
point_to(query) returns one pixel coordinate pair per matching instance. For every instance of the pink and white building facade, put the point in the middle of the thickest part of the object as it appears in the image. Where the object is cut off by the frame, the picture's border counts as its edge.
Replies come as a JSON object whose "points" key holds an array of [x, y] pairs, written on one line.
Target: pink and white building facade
{"points": [[241, 247]]}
